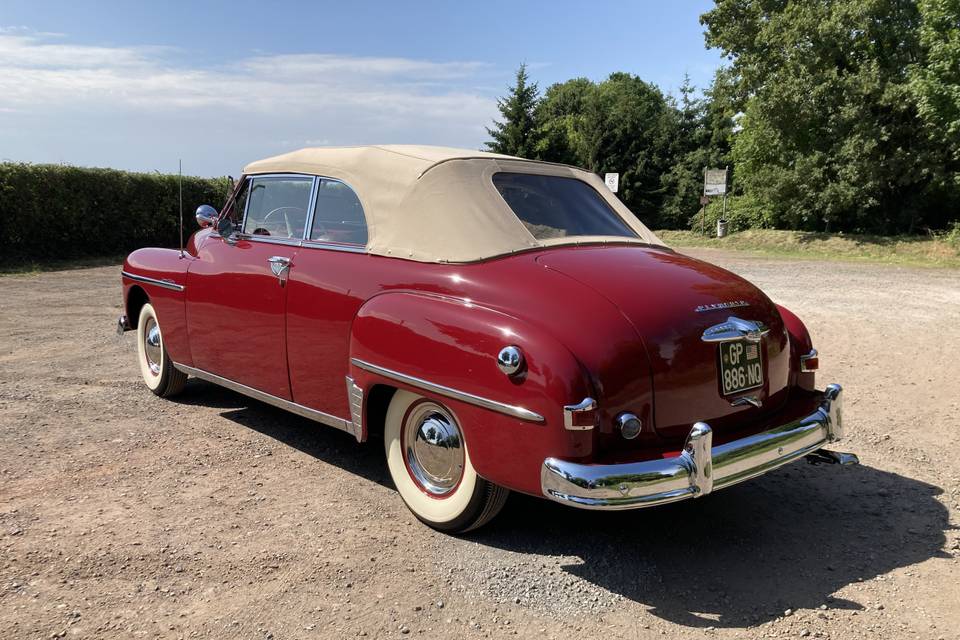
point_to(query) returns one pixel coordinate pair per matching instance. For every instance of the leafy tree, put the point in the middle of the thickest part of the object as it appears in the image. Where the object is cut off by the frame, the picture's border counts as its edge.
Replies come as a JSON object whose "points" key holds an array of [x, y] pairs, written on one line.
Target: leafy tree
{"points": [[701, 139], [561, 118], [517, 134], [832, 136], [622, 125], [937, 84]]}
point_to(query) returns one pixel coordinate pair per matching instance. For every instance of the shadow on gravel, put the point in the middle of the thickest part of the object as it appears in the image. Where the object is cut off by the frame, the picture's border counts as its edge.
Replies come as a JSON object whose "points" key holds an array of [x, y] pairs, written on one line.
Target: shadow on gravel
{"points": [[741, 556], [736, 558], [322, 442]]}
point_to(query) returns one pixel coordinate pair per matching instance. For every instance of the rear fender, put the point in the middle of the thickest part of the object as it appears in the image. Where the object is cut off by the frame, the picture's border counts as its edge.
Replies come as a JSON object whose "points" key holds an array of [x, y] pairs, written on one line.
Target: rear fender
{"points": [[455, 343], [800, 344]]}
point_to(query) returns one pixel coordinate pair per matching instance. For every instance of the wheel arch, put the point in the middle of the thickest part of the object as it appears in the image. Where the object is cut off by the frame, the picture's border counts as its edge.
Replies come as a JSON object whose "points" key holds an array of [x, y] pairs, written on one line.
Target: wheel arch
{"points": [[432, 344], [136, 298]]}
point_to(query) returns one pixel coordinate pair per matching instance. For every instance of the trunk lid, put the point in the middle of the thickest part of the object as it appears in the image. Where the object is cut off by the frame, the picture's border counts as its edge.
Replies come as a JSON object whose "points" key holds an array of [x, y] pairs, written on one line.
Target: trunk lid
{"points": [[671, 299]]}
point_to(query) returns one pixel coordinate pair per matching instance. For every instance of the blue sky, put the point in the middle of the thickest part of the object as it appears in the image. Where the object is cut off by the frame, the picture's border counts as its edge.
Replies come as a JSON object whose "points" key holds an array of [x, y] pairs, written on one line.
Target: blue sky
{"points": [[139, 85]]}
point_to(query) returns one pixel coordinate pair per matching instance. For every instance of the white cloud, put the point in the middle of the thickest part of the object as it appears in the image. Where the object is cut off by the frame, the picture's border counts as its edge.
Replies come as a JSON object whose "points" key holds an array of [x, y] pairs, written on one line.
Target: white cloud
{"points": [[65, 96]]}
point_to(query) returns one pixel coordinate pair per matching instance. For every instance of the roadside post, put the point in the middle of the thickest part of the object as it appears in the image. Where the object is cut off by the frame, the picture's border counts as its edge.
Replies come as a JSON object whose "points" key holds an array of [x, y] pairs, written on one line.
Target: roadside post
{"points": [[715, 184]]}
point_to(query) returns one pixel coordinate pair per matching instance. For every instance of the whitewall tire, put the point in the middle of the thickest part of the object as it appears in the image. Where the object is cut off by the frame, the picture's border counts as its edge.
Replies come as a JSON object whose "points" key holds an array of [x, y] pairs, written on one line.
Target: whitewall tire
{"points": [[430, 466], [156, 369]]}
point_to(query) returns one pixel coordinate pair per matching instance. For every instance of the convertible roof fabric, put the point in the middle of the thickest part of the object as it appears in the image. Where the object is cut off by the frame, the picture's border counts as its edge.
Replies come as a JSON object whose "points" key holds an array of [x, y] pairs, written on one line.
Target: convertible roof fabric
{"points": [[439, 204]]}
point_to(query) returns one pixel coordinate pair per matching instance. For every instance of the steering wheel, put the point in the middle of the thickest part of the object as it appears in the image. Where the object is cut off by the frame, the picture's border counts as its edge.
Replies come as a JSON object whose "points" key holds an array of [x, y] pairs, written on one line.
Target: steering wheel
{"points": [[286, 218]]}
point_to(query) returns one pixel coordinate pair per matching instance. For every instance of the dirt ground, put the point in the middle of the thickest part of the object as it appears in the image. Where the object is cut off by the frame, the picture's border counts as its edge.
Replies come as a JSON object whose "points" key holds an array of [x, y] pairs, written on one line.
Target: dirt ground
{"points": [[126, 516]]}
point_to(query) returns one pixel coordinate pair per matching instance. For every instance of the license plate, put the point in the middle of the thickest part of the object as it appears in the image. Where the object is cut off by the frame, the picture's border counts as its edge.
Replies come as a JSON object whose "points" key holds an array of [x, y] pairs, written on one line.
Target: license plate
{"points": [[740, 366]]}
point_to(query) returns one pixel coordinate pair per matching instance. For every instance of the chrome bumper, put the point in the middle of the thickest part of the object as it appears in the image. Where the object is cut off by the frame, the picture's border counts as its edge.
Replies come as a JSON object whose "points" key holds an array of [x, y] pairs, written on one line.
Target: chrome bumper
{"points": [[123, 325], [699, 469]]}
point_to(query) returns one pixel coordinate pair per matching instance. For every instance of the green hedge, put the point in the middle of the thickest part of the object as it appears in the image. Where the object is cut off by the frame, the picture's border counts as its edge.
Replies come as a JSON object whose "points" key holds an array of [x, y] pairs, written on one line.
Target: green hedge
{"points": [[54, 212]]}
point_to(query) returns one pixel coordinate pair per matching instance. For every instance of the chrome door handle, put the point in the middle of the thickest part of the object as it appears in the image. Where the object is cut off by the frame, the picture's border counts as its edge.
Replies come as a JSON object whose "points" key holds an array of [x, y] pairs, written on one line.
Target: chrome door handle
{"points": [[279, 264]]}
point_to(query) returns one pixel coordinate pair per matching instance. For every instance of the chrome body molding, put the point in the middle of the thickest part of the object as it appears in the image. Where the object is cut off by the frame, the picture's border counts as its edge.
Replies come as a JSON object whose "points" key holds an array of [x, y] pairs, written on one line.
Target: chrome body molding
{"points": [[735, 329], [699, 469], [355, 398], [439, 389], [262, 396], [335, 246], [166, 284]]}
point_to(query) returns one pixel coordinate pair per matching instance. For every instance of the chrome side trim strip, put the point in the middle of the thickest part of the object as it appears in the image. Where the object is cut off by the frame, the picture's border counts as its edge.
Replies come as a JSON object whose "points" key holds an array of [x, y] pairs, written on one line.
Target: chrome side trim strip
{"points": [[166, 284], [333, 246], [463, 396], [262, 396], [355, 397]]}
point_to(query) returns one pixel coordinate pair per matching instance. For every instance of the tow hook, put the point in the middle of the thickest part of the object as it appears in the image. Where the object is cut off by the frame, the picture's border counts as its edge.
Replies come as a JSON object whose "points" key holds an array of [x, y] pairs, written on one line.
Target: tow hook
{"points": [[822, 456]]}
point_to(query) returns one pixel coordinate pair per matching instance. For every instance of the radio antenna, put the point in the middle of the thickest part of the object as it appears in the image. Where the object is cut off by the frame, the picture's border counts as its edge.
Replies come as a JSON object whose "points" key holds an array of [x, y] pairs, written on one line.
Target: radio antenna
{"points": [[180, 186]]}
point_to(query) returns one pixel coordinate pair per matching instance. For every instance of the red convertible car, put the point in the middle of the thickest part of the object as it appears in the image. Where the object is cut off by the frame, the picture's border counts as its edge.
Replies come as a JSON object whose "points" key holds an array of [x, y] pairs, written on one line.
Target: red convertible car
{"points": [[502, 324]]}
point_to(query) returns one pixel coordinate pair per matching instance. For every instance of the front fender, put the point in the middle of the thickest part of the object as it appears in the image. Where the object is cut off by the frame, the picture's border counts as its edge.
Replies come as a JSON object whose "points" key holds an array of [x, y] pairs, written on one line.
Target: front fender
{"points": [[167, 295], [454, 343]]}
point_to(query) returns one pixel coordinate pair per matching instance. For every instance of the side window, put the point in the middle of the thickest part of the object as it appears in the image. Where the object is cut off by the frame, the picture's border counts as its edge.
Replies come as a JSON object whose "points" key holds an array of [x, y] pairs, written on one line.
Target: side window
{"points": [[338, 215], [277, 206]]}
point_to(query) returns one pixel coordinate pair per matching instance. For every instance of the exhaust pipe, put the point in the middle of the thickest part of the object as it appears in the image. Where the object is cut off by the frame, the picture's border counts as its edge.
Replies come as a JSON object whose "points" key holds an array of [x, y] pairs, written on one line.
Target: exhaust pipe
{"points": [[822, 456]]}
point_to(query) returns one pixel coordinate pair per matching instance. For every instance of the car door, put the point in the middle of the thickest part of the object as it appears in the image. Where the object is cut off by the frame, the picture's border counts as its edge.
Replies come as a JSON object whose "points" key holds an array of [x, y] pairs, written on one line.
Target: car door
{"points": [[237, 287], [332, 279]]}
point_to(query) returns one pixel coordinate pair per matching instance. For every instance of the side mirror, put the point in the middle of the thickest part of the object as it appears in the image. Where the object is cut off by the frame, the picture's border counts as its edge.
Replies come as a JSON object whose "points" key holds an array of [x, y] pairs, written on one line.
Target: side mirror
{"points": [[206, 216]]}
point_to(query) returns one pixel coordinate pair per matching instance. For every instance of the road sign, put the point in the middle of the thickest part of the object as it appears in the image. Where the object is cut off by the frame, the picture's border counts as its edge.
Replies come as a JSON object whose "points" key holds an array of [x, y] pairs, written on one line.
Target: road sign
{"points": [[714, 182], [613, 181]]}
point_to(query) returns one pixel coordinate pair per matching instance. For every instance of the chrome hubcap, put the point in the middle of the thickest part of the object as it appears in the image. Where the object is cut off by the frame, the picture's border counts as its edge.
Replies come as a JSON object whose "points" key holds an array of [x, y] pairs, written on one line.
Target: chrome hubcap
{"points": [[151, 346], [433, 448]]}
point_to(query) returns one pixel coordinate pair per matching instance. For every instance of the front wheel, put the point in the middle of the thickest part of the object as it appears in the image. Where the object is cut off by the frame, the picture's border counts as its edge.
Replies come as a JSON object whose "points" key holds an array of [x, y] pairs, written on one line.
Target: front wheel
{"points": [[157, 370], [430, 465]]}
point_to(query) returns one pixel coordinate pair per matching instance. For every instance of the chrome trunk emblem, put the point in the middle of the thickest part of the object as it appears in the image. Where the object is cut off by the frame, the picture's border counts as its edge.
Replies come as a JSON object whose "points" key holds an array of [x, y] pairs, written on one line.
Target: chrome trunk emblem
{"points": [[735, 329], [722, 305]]}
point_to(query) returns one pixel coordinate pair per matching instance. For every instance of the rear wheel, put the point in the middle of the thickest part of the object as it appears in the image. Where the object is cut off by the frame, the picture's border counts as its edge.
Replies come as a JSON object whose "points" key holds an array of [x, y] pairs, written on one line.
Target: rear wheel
{"points": [[157, 370], [430, 465]]}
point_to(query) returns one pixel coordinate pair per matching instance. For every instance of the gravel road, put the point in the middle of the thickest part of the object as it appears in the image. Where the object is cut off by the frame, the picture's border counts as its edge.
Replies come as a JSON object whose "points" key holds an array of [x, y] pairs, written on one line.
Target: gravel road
{"points": [[126, 516]]}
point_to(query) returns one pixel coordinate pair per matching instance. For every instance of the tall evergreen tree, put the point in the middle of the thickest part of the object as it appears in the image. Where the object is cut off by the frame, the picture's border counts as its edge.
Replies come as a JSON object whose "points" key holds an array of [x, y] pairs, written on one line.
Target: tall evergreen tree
{"points": [[518, 133]]}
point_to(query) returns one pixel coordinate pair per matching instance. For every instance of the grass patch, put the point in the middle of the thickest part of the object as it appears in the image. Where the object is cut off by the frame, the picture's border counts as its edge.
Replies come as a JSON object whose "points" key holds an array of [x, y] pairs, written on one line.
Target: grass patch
{"points": [[928, 251], [40, 266]]}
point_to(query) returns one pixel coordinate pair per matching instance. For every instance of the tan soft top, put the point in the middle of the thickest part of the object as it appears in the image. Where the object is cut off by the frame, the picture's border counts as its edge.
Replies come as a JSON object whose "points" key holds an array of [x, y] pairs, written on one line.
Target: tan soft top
{"points": [[439, 204]]}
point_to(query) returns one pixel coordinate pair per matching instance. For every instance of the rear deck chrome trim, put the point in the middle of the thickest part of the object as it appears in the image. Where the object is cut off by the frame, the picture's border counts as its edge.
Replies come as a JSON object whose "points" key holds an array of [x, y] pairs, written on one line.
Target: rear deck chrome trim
{"points": [[262, 396], [456, 394], [166, 284]]}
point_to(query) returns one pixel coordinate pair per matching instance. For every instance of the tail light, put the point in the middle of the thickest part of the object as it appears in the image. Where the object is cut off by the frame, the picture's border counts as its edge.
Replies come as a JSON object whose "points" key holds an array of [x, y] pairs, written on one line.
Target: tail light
{"points": [[581, 416], [810, 362]]}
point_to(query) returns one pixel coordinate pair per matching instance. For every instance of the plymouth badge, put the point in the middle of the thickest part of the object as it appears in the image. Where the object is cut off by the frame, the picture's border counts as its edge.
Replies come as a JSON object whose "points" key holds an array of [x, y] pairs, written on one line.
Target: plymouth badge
{"points": [[722, 305]]}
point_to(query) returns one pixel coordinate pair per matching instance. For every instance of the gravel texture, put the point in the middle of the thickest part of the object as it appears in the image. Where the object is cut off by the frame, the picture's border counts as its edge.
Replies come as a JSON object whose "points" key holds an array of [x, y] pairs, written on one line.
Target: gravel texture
{"points": [[126, 516]]}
